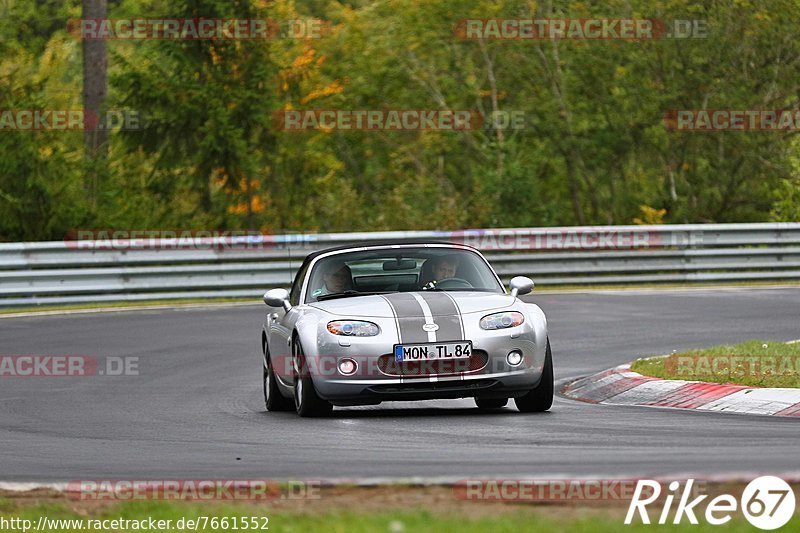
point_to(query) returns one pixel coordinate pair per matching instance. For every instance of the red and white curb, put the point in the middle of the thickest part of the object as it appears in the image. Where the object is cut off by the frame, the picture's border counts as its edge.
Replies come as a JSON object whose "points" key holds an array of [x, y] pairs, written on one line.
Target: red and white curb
{"points": [[620, 386]]}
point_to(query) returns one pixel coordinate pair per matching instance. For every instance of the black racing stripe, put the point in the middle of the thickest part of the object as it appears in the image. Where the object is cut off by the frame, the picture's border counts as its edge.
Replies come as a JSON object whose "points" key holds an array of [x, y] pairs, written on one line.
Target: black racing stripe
{"points": [[460, 317], [394, 312], [411, 331], [449, 328], [440, 303], [410, 317], [446, 315]]}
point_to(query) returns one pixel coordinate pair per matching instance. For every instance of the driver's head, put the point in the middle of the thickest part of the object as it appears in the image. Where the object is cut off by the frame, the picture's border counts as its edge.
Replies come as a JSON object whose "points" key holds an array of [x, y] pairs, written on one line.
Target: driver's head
{"points": [[444, 268], [338, 278]]}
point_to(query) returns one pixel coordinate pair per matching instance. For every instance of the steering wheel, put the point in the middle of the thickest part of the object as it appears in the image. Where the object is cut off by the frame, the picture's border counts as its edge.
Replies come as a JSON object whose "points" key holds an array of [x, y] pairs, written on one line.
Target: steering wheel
{"points": [[453, 283]]}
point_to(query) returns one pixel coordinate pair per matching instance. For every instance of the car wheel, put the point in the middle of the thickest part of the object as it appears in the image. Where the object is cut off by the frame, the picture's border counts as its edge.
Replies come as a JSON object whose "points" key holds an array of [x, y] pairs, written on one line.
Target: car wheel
{"points": [[273, 399], [541, 398], [491, 403], [306, 401]]}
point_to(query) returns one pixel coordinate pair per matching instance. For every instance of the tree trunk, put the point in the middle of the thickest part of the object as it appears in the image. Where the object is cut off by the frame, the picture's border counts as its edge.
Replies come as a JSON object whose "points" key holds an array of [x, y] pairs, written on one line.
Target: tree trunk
{"points": [[95, 88]]}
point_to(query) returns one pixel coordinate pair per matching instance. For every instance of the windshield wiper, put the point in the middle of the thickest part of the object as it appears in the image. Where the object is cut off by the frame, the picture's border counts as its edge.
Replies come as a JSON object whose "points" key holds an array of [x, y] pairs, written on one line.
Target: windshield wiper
{"points": [[346, 294]]}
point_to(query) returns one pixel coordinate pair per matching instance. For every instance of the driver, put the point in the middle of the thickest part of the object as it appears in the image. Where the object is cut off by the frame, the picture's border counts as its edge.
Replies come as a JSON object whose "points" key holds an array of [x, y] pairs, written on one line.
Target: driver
{"points": [[337, 278], [442, 268]]}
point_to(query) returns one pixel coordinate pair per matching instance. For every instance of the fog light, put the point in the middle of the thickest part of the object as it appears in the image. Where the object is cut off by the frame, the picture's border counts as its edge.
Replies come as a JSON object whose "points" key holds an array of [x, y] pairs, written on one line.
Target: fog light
{"points": [[347, 367], [514, 357]]}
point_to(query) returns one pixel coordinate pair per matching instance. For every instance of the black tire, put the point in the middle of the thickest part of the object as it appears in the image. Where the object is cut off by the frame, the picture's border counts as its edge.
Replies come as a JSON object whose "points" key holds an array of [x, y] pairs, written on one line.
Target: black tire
{"points": [[491, 403], [306, 401], [273, 399], [540, 398]]}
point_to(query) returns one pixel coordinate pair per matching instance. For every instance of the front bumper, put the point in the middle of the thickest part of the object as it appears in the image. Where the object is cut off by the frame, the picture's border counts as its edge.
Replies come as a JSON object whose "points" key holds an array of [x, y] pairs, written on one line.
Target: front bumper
{"points": [[442, 389], [496, 379]]}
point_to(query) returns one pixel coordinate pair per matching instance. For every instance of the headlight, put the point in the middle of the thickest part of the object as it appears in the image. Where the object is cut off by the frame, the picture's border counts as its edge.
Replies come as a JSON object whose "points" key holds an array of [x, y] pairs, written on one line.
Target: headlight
{"points": [[353, 328], [502, 320]]}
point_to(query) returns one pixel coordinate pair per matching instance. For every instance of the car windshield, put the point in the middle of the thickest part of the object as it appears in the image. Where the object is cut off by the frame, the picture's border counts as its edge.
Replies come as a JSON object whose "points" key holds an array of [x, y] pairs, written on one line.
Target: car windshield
{"points": [[391, 270]]}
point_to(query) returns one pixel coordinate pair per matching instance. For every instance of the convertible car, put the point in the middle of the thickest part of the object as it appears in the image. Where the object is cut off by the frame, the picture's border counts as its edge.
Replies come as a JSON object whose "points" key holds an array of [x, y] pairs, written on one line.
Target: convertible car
{"points": [[370, 323]]}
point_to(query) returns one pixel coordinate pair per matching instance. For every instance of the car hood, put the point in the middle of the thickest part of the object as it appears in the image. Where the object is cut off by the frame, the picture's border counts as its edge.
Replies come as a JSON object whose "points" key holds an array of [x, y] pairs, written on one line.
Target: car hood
{"points": [[405, 305]]}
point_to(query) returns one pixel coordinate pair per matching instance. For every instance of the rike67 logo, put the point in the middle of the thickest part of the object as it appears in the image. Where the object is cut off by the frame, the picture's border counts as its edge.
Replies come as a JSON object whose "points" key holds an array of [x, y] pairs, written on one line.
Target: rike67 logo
{"points": [[767, 502]]}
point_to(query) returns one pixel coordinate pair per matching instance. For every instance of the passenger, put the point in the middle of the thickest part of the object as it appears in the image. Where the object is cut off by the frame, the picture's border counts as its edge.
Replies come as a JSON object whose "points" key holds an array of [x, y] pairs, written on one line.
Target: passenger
{"points": [[338, 278]]}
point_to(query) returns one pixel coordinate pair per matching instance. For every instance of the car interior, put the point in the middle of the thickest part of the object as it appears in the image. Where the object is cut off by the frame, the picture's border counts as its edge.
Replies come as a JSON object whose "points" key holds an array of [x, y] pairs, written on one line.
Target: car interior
{"points": [[404, 273]]}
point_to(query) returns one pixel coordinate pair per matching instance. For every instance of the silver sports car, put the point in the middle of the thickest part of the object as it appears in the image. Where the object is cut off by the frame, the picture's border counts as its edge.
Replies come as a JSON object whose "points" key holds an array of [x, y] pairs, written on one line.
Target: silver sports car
{"points": [[411, 321]]}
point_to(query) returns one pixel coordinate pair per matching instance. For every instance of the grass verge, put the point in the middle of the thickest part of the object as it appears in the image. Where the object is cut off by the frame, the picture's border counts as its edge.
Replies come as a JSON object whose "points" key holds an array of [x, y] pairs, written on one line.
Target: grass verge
{"points": [[754, 363]]}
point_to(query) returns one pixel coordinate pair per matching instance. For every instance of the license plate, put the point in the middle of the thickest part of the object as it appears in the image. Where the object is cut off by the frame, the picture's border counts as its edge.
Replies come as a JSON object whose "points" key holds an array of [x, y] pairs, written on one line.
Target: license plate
{"points": [[432, 351]]}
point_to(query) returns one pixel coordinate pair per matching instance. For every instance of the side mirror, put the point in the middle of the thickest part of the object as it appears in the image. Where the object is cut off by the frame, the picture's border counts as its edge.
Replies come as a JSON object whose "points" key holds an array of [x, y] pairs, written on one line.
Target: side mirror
{"points": [[520, 285], [277, 298]]}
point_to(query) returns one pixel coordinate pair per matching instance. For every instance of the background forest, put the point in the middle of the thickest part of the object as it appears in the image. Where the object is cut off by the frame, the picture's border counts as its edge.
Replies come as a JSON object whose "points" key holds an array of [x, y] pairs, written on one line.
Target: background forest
{"points": [[594, 149]]}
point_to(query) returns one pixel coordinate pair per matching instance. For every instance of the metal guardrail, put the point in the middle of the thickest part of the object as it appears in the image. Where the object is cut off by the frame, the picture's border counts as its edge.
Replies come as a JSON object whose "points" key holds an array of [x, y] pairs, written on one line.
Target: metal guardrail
{"points": [[111, 269]]}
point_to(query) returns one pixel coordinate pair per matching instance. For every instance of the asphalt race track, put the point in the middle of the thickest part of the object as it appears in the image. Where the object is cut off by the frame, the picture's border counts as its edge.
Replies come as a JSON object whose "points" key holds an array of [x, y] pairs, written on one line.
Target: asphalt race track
{"points": [[195, 410]]}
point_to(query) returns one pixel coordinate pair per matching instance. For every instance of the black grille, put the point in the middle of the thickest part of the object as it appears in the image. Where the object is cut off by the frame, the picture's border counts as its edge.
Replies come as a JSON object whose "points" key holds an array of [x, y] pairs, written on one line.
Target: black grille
{"points": [[389, 365]]}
